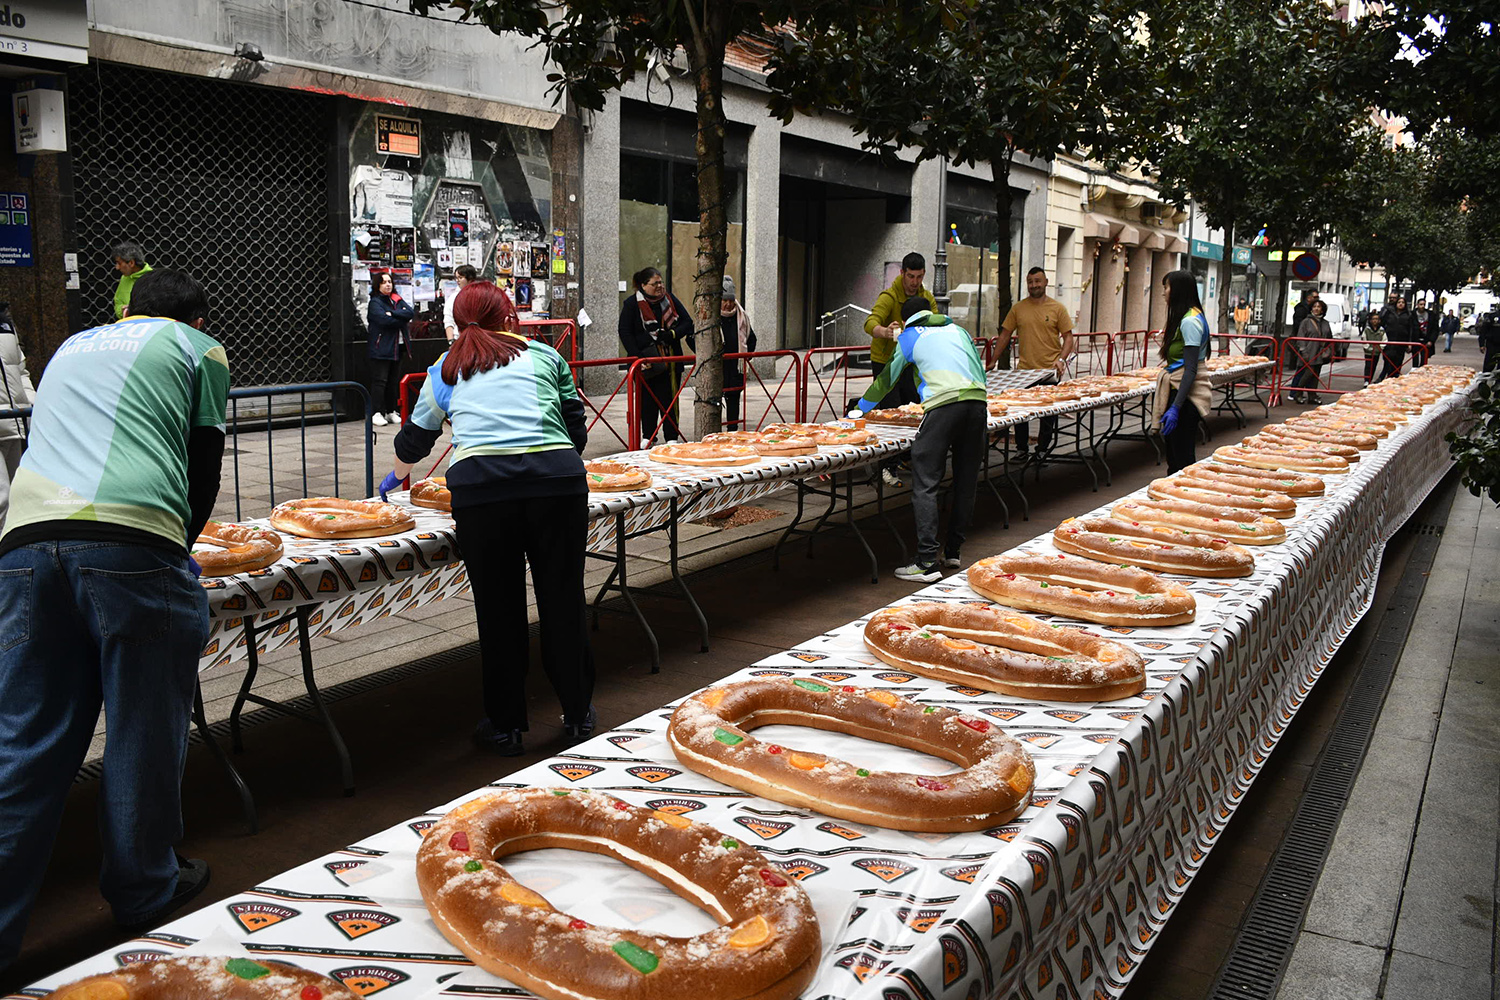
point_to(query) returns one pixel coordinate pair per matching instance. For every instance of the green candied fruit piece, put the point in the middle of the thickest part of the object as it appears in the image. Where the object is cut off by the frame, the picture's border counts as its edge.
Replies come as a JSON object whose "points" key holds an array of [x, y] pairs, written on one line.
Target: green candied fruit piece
{"points": [[727, 738], [472, 866], [862, 772], [596, 477], [330, 517], [1114, 539], [245, 969], [636, 957], [812, 686], [1044, 585], [559, 791], [1143, 597], [730, 844], [928, 710]]}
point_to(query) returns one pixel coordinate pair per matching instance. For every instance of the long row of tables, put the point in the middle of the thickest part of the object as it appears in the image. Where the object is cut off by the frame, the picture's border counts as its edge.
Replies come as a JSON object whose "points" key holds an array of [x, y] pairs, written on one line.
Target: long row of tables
{"points": [[1065, 900]]}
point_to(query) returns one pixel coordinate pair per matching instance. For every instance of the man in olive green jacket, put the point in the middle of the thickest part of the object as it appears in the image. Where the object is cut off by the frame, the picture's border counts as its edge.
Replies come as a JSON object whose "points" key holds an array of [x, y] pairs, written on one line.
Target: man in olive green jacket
{"points": [[884, 325], [130, 261]]}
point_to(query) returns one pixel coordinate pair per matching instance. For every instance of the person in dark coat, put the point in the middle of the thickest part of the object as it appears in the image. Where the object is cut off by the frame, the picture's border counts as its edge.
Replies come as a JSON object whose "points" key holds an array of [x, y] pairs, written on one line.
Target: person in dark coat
{"points": [[1312, 353], [739, 336], [1400, 330], [655, 324], [388, 316]]}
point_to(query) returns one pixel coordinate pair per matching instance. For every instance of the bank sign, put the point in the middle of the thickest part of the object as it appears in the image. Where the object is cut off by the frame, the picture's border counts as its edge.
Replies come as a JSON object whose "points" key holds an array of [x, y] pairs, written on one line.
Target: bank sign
{"points": [[56, 30]]}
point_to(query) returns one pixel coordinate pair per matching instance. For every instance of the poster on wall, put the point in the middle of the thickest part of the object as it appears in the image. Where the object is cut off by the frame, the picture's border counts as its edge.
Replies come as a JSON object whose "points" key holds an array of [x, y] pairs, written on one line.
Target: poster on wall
{"points": [[541, 257], [368, 246], [424, 283], [382, 197], [445, 260], [15, 230], [404, 246], [458, 227], [523, 295], [522, 254], [505, 258]]}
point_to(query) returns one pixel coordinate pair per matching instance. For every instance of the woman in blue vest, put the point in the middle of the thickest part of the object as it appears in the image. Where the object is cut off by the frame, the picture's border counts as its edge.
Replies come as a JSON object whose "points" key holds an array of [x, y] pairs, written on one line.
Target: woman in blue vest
{"points": [[1183, 392], [519, 497]]}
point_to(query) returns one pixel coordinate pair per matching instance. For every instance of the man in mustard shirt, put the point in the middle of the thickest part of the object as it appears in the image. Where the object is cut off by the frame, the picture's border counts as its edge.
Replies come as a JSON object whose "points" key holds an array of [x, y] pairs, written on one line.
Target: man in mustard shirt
{"points": [[1044, 333], [884, 326]]}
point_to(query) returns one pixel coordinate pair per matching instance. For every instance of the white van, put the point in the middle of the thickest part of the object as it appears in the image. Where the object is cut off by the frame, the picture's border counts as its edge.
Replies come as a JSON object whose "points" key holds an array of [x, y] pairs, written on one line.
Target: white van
{"points": [[1339, 319]]}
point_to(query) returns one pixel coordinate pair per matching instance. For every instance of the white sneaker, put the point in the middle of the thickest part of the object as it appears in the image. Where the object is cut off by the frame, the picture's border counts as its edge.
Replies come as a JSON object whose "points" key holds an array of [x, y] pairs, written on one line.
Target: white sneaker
{"points": [[949, 562], [394, 416], [379, 419], [918, 573], [645, 444], [891, 479]]}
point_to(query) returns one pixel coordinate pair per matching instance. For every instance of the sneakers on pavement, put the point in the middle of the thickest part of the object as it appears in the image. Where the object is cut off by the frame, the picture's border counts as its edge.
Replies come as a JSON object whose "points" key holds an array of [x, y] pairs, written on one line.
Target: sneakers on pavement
{"points": [[577, 732], [394, 417], [918, 573], [192, 878], [504, 742], [891, 479], [379, 419], [950, 562]]}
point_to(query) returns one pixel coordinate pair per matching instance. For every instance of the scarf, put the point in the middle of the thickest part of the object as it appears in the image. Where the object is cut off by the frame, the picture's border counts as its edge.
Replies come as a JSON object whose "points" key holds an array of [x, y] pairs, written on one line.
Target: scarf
{"points": [[653, 325]]}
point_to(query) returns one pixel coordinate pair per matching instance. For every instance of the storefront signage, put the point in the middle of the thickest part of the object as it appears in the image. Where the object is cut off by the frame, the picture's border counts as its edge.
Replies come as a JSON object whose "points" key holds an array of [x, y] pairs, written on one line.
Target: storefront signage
{"points": [[1242, 255], [15, 230], [398, 136], [39, 122], [56, 30], [1212, 251]]}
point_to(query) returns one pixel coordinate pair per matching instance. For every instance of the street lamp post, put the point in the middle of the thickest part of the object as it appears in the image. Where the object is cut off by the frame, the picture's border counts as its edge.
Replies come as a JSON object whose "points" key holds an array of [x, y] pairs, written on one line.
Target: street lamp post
{"points": [[940, 259]]}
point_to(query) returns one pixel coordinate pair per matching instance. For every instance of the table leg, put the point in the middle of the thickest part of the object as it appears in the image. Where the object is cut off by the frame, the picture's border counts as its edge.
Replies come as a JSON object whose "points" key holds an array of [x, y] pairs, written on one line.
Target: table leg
{"points": [[236, 740], [854, 525], [802, 491], [247, 800], [687, 595], [346, 766]]}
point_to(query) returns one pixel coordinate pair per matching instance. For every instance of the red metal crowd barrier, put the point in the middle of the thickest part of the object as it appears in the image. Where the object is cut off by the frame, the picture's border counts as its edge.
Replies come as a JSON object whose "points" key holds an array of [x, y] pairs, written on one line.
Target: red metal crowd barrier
{"points": [[559, 334], [1093, 354], [597, 413], [1310, 354], [1128, 348], [784, 403], [837, 381]]}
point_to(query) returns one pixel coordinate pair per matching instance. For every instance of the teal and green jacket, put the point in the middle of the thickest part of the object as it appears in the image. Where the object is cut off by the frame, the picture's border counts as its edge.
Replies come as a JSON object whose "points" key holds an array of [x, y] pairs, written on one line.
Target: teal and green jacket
{"points": [[948, 366]]}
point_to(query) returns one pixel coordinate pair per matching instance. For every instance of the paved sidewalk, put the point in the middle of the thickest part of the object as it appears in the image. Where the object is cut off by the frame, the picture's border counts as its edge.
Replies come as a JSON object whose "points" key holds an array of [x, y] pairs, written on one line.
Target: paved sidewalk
{"points": [[1406, 904]]}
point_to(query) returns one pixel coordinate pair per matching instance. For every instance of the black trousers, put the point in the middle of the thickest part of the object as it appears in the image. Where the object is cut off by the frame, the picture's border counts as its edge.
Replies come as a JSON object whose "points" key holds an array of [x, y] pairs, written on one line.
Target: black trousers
{"points": [[734, 391], [958, 428], [1180, 442], [1307, 376], [1048, 431], [1394, 358], [654, 396], [385, 384], [496, 541]]}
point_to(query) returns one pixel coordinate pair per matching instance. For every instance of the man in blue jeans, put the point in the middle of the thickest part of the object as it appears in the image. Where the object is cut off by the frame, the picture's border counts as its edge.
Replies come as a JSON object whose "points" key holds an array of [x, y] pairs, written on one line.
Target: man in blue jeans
{"points": [[100, 603]]}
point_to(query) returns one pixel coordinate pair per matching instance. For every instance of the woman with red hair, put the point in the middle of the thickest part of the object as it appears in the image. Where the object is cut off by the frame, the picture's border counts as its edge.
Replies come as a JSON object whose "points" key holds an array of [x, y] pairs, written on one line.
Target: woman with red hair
{"points": [[519, 496]]}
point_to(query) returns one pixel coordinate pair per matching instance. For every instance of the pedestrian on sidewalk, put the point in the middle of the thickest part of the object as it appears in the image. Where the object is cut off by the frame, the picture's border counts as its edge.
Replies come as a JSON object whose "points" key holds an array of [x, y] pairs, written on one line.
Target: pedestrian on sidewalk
{"points": [[130, 261], [1489, 338], [1374, 336], [16, 392], [1427, 331], [1183, 391], [1313, 354], [1448, 328], [1044, 333], [100, 604], [519, 497], [883, 326], [1400, 330], [739, 336], [389, 318], [655, 324], [462, 275], [951, 380]]}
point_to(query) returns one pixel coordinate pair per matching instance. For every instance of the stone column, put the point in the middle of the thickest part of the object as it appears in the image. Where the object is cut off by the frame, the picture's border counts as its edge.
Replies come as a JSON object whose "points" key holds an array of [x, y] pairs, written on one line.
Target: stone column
{"points": [[762, 230], [600, 254]]}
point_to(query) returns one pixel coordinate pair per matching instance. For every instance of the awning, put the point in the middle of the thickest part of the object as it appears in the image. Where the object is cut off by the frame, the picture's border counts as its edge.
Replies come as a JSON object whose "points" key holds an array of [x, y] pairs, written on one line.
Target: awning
{"points": [[1095, 227], [1176, 244], [1125, 233]]}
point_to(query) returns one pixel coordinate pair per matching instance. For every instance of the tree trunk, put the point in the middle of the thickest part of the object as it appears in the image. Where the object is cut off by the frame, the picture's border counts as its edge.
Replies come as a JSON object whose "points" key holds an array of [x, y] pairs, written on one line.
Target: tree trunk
{"points": [[1226, 268], [1000, 165], [1279, 320], [706, 59]]}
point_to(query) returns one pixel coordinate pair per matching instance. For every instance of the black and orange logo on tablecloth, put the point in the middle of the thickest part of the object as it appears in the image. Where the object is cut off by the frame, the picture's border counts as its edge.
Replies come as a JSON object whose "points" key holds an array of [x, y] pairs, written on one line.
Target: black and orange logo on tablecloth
{"points": [[832, 675], [967, 692], [1066, 714], [920, 921], [955, 962], [765, 829], [357, 923], [892, 677], [139, 955], [421, 826], [623, 739], [801, 869], [810, 657], [862, 965], [885, 869], [675, 807], [962, 873], [258, 916], [368, 979], [838, 830], [652, 773], [1003, 714], [574, 771]]}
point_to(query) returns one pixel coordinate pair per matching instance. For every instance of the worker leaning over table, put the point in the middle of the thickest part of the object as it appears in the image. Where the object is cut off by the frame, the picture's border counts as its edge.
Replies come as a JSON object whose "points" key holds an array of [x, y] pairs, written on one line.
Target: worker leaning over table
{"points": [[950, 380], [519, 495], [100, 603]]}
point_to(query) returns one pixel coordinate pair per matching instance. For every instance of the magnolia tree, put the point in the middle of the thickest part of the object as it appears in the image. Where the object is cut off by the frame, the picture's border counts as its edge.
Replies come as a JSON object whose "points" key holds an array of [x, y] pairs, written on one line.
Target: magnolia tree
{"points": [[596, 46]]}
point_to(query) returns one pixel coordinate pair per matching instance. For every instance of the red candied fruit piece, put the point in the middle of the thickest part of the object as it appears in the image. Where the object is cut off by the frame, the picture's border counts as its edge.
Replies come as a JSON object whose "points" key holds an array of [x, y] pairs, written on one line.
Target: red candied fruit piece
{"points": [[577, 924], [311, 992], [897, 627], [459, 841], [621, 806], [1136, 523], [1010, 576], [1062, 557], [774, 748], [772, 879], [978, 725], [932, 785], [1109, 593], [849, 688]]}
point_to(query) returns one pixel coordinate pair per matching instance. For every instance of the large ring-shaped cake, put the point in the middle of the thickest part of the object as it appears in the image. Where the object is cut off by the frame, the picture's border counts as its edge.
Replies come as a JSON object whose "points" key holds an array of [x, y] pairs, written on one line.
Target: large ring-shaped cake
{"points": [[1293, 484], [998, 650], [1082, 588], [766, 949], [615, 477], [1273, 442], [432, 493], [226, 549], [766, 443], [909, 415], [1153, 547], [1321, 434], [330, 517], [1207, 491], [1266, 458], [205, 976], [825, 434], [1234, 524], [700, 453], [709, 733]]}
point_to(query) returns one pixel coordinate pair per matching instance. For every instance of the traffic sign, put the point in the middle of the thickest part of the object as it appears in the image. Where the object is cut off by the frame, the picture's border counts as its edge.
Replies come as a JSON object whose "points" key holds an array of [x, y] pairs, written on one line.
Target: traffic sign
{"points": [[1306, 267]]}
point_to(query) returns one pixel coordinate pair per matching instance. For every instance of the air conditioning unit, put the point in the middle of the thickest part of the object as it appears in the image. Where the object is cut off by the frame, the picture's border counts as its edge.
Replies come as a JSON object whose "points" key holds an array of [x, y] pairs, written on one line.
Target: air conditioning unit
{"points": [[1151, 212]]}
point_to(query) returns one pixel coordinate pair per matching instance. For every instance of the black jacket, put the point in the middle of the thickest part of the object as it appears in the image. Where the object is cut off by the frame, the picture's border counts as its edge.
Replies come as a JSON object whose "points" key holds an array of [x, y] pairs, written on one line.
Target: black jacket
{"points": [[730, 325], [388, 326], [1399, 325], [638, 342]]}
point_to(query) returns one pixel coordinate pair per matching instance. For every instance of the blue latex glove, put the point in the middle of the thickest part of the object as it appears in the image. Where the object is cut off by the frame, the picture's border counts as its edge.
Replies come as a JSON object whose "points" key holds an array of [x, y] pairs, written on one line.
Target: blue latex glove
{"points": [[390, 482], [194, 568], [1169, 421]]}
